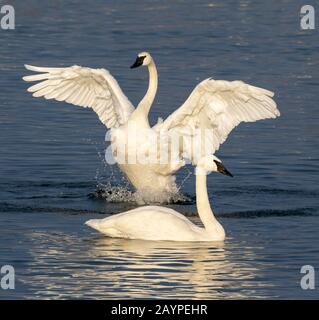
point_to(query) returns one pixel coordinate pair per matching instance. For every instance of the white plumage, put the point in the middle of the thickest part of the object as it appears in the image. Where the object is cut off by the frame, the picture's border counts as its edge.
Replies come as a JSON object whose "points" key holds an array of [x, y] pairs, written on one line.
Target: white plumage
{"points": [[212, 110], [163, 224], [84, 87], [219, 106]]}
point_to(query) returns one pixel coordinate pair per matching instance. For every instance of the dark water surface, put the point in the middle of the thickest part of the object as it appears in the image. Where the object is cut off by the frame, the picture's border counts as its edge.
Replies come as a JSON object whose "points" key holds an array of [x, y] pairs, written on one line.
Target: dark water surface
{"points": [[51, 159]]}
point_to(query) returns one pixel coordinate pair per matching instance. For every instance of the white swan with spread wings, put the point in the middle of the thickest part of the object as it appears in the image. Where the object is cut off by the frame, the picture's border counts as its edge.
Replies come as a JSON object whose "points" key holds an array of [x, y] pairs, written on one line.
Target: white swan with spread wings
{"points": [[213, 109]]}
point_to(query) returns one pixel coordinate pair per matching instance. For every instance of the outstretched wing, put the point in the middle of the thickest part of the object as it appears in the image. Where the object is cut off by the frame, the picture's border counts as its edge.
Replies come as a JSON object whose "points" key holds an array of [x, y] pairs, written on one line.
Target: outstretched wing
{"points": [[213, 109], [84, 87]]}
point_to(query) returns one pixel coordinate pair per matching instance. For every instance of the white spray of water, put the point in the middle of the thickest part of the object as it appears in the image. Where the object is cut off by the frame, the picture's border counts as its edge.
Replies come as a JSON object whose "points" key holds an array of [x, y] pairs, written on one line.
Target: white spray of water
{"points": [[113, 187]]}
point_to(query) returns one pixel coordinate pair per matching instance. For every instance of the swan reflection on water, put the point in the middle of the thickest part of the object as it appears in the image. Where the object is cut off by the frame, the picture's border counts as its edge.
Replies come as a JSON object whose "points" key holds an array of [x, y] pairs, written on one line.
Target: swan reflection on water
{"points": [[183, 269], [68, 266]]}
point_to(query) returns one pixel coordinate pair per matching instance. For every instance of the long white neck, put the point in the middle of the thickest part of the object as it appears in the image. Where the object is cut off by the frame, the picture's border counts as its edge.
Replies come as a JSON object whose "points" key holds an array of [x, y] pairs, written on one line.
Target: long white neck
{"points": [[143, 108], [203, 207]]}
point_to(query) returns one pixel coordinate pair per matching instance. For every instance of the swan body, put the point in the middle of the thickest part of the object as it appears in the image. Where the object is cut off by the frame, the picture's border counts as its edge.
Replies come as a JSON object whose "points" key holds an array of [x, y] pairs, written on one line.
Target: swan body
{"points": [[215, 107], [154, 182], [151, 186], [161, 223], [153, 223]]}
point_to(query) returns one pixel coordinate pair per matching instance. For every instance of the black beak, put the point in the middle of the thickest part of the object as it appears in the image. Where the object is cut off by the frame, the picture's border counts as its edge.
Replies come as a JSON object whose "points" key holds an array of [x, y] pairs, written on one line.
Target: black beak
{"points": [[221, 168], [138, 62]]}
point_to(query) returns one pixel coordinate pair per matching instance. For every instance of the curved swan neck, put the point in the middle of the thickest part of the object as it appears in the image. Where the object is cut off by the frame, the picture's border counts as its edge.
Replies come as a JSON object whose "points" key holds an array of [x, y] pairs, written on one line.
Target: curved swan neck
{"points": [[202, 202], [145, 104]]}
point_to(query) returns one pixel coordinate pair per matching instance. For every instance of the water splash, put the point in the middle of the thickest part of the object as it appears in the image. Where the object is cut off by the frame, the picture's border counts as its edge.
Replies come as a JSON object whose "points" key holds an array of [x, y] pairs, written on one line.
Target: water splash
{"points": [[113, 187], [112, 193], [123, 194]]}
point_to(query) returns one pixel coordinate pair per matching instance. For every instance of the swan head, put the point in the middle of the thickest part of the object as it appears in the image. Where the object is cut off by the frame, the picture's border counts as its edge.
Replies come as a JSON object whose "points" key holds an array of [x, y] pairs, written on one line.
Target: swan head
{"points": [[210, 164], [142, 59]]}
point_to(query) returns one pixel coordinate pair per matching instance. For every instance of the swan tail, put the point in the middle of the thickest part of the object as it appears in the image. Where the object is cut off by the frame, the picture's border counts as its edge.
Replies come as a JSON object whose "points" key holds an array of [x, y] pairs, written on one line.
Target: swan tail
{"points": [[93, 223]]}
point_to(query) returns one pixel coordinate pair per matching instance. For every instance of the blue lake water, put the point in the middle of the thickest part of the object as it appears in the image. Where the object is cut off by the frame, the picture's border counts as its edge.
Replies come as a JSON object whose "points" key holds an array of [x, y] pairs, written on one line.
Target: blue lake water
{"points": [[51, 159]]}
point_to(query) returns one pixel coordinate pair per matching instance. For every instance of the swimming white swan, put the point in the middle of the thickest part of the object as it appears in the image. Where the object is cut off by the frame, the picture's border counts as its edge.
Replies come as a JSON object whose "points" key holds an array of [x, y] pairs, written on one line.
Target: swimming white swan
{"points": [[212, 110], [161, 223]]}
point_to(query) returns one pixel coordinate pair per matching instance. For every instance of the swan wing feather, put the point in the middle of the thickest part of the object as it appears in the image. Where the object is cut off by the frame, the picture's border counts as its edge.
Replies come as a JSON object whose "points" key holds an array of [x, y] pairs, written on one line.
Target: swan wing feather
{"points": [[218, 106], [85, 87]]}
